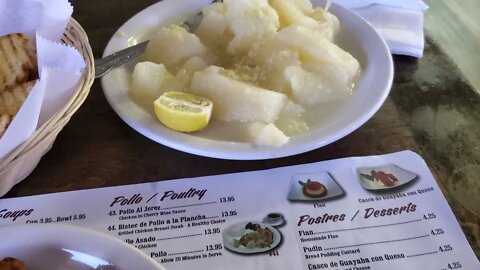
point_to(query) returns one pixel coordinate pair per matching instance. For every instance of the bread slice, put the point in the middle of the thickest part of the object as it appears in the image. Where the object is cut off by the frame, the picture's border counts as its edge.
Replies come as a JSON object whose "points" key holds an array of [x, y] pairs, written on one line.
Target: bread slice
{"points": [[18, 61], [10, 102], [13, 97], [5, 120], [12, 264]]}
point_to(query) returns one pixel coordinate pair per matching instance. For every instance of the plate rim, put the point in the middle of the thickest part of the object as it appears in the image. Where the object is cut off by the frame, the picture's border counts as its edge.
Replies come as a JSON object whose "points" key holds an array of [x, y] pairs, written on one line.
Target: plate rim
{"points": [[43, 230]]}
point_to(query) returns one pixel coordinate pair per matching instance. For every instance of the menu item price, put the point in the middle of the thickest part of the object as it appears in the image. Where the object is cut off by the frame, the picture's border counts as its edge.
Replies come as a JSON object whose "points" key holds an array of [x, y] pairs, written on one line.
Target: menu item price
{"points": [[212, 231], [65, 218], [429, 216], [454, 265], [79, 217], [227, 199], [45, 220], [214, 247], [229, 213], [445, 248], [437, 231]]}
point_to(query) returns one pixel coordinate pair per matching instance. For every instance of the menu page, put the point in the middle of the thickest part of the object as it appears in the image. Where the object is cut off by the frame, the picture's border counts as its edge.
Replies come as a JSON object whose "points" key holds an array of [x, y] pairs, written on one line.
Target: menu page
{"points": [[379, 212]]}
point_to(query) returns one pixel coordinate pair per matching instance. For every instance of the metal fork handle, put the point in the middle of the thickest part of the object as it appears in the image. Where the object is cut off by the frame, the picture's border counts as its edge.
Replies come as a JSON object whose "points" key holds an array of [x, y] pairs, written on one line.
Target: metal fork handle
{"points": [[104, 65]]}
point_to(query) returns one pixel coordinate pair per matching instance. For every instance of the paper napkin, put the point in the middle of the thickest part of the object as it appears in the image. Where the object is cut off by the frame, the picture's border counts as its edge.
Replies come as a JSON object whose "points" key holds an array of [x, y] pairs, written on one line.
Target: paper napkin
{"points": [[60, 66], [399, 22]]}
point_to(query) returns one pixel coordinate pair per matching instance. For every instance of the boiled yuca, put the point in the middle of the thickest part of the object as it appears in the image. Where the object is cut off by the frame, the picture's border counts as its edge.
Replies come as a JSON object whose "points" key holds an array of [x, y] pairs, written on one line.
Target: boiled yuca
{"points": [[267, 134], [250, 21], [292, 12], [235, 100], [301, 12], [150, 80], [267, 63], [309, 89], [147, 81], [183, 78], [214, 30], [273, 66], [314, 48]]}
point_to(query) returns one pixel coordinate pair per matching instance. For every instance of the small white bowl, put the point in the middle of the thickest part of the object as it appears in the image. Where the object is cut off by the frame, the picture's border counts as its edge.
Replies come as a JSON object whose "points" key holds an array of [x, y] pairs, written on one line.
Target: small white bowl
{"points": [[274, 219], [336, 120]]}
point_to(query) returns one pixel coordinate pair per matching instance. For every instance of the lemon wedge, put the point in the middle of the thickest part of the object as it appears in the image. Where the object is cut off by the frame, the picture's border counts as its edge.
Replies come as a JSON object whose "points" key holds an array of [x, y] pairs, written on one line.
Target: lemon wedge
{"points": [[183, 112]]}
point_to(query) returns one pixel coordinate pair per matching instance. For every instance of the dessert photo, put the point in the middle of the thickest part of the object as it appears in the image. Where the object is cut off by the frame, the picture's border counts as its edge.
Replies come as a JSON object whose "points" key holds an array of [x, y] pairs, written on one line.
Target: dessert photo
{"points": [[314, 187], [384, 177]]}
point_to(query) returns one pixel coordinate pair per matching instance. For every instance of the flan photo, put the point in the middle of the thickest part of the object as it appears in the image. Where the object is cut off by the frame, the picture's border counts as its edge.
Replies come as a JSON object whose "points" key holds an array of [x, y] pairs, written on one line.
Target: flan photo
{"points": [[313, 187]]}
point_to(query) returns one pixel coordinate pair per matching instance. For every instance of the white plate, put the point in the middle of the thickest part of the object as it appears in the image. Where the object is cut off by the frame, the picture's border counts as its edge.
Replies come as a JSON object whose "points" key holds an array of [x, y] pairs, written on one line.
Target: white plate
{"points": [[296, 193], [402, 175], [49, 247], [332, 122], [235, 231]]}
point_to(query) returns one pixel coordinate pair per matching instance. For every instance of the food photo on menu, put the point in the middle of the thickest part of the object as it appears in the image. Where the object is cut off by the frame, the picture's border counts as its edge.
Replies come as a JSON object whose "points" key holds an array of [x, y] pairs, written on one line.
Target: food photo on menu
{"points": [[254, 237], [226, 117], [385, 177], [314, 187]]}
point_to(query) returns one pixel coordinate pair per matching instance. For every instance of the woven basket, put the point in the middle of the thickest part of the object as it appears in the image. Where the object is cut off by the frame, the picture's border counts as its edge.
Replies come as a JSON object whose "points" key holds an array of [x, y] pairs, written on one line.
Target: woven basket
{"points": [[18, 164]]}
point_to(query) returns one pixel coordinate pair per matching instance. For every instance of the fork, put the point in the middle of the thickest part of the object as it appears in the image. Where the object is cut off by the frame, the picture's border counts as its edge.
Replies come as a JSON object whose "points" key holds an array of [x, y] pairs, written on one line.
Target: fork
{"points": [[106, 64]]}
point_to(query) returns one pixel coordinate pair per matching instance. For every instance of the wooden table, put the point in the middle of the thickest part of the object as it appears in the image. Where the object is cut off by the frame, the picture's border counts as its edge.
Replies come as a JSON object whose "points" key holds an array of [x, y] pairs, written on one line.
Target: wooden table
{"points": [[431, 110]]}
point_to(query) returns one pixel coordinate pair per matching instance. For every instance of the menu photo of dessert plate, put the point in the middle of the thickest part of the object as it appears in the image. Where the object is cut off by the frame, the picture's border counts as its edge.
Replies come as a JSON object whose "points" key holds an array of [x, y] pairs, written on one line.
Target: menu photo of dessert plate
{"points": [[251, 237], [313, 187], [384, 177]]}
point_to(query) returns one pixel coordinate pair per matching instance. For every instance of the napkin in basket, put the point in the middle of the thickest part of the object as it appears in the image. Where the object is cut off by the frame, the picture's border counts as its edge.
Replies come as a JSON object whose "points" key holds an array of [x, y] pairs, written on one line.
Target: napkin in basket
{"points": [[399, 22], [59, 66]]}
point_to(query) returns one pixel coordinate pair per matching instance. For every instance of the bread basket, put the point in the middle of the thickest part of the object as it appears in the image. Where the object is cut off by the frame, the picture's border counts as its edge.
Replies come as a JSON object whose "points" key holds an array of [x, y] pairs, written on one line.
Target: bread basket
{"points": [[19, 163]]}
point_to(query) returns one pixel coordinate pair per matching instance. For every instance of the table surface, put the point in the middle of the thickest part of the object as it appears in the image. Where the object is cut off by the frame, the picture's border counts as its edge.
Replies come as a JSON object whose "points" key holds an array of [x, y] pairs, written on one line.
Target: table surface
{"points": [[431, 110]]}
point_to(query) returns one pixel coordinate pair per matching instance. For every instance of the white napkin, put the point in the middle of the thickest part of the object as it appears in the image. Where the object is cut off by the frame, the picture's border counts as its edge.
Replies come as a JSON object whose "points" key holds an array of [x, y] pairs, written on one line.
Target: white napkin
{"points": [[399, 22], [405, 4], [60, 66]]}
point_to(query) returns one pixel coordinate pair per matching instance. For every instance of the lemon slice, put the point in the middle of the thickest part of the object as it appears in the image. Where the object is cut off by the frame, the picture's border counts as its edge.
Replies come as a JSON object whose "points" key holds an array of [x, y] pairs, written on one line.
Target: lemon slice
{"points": [[183, 112]]}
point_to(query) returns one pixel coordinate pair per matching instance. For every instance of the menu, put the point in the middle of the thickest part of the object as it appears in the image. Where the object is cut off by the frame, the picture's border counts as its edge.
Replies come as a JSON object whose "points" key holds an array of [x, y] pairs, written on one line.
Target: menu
{"points": [[378, 212]]}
